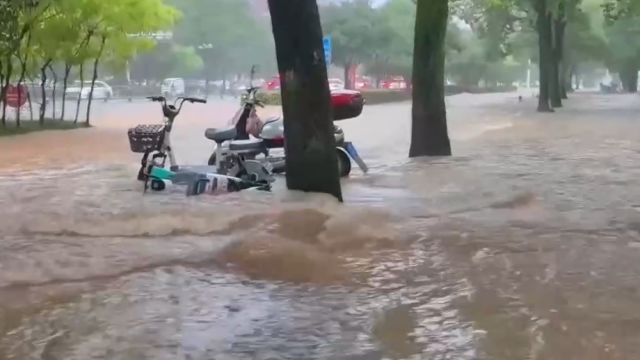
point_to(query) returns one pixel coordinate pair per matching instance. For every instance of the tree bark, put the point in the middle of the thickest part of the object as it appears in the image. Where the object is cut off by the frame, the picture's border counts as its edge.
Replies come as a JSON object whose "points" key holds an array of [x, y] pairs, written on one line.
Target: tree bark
{"points": [[30, 105], [560, 31], [543, 25], [347, 76], [5, 86], [429, 134], [311, 163], [43, 103], [629, 77], [53, 91], [554, 81], [96, 61], [65, 83], [75, 121], [23, 75], [568, 78]]}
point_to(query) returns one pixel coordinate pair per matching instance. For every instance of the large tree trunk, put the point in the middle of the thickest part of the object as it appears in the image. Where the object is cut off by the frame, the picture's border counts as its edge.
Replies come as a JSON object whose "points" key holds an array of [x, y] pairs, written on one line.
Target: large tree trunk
{"points": [[103, 40], [429, 134], [568, 78], [53, 91], [560, 31], [5, 86], [23, 74], [543, 25], [30, 102], [311, 163], [629, 77], [65, 83], [347, 76], [43, 103], [75, 121], [554, 81]]}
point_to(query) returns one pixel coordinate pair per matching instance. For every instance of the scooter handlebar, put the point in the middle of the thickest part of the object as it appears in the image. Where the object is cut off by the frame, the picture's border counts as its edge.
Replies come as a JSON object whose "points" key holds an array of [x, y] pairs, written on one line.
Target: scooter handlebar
{"points": [[156, 98], [195, 100]]}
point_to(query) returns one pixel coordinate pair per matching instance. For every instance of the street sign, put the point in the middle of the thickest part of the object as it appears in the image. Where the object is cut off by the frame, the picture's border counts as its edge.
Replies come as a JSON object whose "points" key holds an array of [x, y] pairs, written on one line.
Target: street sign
{"points": [[16, 96], [326, 42]]}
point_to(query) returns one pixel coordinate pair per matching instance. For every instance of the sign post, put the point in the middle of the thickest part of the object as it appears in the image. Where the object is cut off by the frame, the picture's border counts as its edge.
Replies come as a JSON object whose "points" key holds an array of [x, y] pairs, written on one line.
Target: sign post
{"points": [[326, 42]]}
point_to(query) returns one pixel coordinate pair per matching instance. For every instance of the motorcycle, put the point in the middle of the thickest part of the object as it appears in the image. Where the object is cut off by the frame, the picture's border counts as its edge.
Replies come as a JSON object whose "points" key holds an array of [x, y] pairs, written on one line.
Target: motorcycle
{"points": [[154, 142], [249, 137]]}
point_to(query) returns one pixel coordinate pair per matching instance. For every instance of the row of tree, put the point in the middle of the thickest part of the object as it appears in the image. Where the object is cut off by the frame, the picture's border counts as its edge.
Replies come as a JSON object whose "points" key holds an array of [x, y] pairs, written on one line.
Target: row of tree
{"points": [[64, 39], [494, 42], [214, 39], [359, 34]]}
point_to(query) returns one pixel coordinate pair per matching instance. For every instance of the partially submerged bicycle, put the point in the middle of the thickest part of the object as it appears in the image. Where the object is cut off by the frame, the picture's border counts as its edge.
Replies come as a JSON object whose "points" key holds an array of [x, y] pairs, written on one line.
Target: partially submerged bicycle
{"points": [[154, 142]]}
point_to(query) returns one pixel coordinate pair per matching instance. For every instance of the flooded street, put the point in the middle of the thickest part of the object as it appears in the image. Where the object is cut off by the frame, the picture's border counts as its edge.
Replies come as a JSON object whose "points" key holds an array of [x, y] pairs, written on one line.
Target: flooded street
{"points": [[524, 245]]}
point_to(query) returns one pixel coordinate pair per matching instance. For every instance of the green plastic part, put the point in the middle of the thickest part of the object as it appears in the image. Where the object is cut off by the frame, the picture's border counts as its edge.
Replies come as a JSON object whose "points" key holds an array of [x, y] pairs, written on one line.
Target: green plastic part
{"points": [[161, 173]]}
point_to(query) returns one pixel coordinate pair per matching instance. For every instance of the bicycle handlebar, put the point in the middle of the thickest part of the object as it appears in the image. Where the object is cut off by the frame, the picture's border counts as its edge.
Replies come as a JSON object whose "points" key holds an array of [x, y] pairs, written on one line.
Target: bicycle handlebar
{"points": [[189, 99], [172, 111], [157, 98]]}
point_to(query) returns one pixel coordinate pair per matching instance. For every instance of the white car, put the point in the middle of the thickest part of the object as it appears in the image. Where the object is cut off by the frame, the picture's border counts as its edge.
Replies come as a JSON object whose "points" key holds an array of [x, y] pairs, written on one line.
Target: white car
{"points": [[101, 90], [336, 84], [173, 87]]}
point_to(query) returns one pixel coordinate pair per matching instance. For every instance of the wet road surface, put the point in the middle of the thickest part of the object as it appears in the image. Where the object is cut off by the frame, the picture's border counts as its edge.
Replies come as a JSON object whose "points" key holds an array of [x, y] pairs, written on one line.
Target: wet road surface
{"points": [[524, 245]]}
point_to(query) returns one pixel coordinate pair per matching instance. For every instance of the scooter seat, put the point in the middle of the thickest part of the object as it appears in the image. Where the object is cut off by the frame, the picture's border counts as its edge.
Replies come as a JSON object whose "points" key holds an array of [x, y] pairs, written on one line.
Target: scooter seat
{"points": [[251, 145], [221, 135]]}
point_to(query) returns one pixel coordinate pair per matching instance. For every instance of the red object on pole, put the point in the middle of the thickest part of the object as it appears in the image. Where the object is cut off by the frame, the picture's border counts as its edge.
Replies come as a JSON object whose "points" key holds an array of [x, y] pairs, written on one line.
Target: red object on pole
{"points": [[16, 96]]}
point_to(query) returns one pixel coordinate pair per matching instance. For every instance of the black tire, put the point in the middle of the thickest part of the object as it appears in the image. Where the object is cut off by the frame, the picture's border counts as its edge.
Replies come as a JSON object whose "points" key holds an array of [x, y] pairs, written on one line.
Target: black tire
{"points": [[344, 163], [157, 185]]}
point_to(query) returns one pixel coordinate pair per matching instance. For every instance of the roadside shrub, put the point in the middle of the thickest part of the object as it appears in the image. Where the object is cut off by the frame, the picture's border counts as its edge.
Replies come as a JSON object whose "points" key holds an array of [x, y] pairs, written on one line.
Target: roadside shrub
{"points": [[269, 97], [384, 96]]}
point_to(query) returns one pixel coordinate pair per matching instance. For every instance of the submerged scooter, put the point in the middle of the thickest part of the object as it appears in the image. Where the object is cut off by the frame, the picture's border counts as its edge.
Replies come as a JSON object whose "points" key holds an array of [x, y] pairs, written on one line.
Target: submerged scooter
{"points": [[154, 142], [269, 135]]}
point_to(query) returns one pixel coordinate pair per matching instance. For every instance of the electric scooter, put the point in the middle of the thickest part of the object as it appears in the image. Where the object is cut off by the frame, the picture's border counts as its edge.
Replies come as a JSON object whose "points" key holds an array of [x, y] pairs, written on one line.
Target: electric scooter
{"points": [[249, 137], [154, 142]]}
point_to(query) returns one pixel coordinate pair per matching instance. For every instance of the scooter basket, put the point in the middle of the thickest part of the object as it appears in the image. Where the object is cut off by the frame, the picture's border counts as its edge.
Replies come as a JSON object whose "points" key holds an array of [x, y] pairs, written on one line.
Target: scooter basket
{"points": [[146, 138]]}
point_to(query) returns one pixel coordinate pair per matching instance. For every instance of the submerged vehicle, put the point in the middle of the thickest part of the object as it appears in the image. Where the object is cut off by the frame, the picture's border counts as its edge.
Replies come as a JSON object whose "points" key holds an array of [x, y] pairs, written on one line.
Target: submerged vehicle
{"points": [[248, 136], [154, 142]]}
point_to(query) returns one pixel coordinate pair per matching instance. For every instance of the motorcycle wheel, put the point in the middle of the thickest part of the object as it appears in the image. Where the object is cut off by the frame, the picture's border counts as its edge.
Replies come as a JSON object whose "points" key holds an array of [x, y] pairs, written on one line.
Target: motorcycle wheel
{"points": [[344, 163]]}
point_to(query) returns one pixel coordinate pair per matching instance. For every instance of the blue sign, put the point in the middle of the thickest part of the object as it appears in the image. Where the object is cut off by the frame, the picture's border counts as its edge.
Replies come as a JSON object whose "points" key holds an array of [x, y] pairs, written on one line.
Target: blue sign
{"points": [[326, 42]]}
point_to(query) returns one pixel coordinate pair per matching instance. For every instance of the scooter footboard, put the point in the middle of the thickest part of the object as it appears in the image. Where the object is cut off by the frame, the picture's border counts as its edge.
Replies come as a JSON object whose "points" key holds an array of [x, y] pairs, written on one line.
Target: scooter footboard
{"points": [[353, 154]]}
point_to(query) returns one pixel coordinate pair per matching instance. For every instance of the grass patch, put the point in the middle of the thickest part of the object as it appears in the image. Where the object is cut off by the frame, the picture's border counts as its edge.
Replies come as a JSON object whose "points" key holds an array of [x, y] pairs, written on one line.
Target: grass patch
{"points": [[32, 126]]}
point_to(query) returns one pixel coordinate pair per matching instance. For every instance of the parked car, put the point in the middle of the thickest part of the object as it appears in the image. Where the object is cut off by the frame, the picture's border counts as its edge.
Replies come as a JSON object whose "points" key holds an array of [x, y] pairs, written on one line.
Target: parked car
{"points": [[394, 83], [336, 84], [273, 83], [173, 87], [101, 90], [363, 83]]}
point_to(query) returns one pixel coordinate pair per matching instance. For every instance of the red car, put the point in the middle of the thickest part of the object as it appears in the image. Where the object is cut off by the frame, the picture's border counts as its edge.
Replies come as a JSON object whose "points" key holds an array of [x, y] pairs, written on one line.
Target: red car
{"points": [[363, 83], [274, 83], [395, 82]]}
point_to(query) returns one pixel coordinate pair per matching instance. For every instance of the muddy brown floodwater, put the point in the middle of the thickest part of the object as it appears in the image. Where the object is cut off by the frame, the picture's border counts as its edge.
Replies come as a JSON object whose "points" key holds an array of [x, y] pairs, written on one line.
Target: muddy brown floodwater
{"points": [[524, 245]]}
